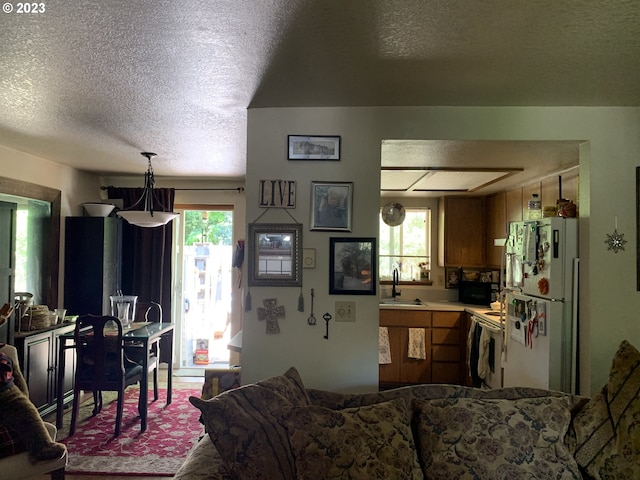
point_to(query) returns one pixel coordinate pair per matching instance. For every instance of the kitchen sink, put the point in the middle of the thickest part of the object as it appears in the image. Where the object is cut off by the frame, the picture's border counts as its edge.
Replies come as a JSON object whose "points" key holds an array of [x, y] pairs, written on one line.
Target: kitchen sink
{"points": [[396, 301]]}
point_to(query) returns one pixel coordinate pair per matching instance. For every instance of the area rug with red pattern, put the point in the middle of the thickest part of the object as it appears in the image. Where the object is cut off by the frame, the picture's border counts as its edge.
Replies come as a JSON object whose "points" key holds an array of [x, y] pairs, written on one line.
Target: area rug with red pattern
{"points": [[172, 431]]}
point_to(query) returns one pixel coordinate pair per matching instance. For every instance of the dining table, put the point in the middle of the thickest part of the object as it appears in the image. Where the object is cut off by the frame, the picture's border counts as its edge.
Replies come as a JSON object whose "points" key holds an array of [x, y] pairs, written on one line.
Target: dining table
{"points": [[144, 334]]}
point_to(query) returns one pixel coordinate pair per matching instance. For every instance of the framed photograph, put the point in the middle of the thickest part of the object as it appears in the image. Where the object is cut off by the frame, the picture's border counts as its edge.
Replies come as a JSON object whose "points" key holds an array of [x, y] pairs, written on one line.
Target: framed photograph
{"points": [[352, 266], [275, 254], [331, 206], [318, 147], [451, 277]]}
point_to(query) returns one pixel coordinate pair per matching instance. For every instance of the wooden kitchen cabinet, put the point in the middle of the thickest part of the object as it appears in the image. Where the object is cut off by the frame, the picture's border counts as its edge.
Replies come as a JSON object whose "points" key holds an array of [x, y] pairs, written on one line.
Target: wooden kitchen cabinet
{"points": [[497, 227], [447, 347], [38, 356], [462, 232], [514, 205], [445, 344], [404, 370]]}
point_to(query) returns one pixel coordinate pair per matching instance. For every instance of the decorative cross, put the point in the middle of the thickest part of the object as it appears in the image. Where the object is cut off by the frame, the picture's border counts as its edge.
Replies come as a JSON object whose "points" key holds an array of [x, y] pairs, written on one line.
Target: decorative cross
{"points": [[271, 313]]}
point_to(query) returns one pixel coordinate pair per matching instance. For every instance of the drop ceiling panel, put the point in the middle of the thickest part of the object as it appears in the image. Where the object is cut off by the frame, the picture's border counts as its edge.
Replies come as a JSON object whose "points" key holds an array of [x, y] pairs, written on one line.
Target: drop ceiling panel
{"points": [[400, 179], [438, 180], [457, 180]]}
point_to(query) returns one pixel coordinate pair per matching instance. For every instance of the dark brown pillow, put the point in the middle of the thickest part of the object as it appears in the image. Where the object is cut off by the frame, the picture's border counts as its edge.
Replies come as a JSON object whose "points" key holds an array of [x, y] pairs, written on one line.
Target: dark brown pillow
{"points": [[245, 426]]}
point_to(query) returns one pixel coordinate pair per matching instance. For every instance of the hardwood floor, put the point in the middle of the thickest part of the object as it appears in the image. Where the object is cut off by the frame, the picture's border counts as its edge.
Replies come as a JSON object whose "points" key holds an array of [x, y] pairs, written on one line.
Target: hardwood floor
{"points": [[162, 377]]}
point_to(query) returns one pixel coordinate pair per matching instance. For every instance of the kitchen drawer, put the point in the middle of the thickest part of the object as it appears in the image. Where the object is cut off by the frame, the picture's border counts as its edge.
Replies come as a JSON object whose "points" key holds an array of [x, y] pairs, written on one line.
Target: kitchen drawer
{"points": [[405, 318], [445, 336], [445, 353], [446, 319]]}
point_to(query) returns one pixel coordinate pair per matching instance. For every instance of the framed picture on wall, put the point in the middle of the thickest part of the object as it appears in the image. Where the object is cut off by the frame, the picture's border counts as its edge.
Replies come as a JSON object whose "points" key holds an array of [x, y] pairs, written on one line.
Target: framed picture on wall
{"points": [[352, 266], [318, 147], [331, 206]]}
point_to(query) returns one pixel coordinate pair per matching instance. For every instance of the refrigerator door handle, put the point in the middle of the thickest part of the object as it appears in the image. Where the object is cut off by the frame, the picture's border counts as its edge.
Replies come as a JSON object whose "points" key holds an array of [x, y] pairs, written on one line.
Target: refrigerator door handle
{"points": [[574, 327]]}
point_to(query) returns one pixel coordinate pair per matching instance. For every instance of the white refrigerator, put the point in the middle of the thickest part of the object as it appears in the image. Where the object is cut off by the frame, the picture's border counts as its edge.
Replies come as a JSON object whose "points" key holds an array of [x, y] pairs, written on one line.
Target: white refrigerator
{"points": [[541, 304]]}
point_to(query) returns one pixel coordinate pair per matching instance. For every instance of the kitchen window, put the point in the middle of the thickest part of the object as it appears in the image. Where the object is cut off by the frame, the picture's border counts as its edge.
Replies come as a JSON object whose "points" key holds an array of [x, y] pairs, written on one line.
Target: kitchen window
{"points": [[406, 247]]}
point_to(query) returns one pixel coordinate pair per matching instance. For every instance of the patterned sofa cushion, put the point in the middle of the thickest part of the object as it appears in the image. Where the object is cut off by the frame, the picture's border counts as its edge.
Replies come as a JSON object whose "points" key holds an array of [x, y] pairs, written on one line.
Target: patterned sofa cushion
{"points": [[203, 463], [607, 429], [372, 442], [245, 426], [495, 438]]}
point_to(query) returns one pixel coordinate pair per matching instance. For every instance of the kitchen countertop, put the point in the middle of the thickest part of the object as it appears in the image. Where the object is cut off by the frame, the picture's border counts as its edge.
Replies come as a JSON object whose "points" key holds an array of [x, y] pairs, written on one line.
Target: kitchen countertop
{"points": [[446, 307]]}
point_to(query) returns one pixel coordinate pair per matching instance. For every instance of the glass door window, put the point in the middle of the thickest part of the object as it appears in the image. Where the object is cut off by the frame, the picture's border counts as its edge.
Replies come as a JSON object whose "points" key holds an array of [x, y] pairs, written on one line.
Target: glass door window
{"points": [[206, 265]]}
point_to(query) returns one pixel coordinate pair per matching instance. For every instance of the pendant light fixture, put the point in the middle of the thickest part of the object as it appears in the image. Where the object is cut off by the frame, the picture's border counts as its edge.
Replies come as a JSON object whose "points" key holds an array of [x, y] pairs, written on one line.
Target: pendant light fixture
{"points": [[145, 215]]}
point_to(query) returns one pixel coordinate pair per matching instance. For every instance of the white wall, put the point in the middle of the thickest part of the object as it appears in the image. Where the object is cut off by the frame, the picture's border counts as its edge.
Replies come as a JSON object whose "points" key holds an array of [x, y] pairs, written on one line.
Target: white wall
{"points": [[608, 299], [349, 358]]}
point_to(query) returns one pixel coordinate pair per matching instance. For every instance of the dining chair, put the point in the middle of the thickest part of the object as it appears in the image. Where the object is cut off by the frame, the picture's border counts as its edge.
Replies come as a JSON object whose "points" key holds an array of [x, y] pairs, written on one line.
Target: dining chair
{"points": [[101, 365], [149, 312]]}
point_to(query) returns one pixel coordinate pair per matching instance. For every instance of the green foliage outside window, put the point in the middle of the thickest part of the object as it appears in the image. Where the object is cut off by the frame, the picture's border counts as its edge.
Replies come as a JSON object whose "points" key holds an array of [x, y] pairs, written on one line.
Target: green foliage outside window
{"points": [[215, 227], [406, 247]]}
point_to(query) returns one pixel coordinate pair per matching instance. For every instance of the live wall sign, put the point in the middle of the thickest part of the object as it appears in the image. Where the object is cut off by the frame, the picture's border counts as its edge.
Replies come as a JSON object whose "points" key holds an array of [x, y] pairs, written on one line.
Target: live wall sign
{"points": [[277, 193]]}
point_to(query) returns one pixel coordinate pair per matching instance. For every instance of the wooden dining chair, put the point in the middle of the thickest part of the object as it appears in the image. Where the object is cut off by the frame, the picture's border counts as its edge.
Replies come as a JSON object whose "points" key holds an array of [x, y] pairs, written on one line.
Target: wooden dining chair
{"points": [[101, 365], [147, 312]]}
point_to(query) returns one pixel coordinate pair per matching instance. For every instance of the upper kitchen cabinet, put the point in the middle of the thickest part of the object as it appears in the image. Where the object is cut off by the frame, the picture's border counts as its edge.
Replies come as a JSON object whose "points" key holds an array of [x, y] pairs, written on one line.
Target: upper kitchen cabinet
{"points": [[496, 227], [462, 232], [514, 205]]}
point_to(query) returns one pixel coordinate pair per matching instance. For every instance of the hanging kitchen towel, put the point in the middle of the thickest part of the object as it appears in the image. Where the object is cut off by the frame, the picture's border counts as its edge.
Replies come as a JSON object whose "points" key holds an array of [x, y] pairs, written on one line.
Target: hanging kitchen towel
{"points": [[417, 347], [474, 354], [470, 336], [384, 350], [483, 353]]}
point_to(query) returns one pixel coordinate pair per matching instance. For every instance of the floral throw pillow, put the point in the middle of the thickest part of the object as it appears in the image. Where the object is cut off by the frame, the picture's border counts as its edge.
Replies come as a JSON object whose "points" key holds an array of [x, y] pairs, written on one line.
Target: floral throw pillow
{"points": [[495, 439], [607, 429], [371, 442]]}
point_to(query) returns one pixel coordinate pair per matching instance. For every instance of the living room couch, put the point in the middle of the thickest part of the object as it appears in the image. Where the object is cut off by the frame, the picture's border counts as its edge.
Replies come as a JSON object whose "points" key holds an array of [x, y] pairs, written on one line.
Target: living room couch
{"points": [[278, 429]]}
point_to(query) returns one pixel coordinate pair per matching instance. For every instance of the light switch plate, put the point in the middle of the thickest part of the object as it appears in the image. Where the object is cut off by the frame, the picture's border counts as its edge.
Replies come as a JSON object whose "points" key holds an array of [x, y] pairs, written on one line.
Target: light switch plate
{"points": [[345, 311]]}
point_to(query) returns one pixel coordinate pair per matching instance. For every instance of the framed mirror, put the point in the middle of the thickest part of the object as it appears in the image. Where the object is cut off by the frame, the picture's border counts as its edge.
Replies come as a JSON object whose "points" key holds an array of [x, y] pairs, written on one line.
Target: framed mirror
{"points": [[275, 254]]}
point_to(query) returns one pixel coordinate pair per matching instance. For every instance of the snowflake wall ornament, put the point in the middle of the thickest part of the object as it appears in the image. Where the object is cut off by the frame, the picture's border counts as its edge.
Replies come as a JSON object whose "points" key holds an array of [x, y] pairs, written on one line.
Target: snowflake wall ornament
{"points": [[615, 241]]}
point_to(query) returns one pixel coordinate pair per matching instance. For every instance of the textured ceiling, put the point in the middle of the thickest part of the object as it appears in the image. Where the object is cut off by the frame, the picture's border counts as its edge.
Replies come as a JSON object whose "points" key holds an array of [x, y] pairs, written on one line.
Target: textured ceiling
{"points": [[92, 83]]}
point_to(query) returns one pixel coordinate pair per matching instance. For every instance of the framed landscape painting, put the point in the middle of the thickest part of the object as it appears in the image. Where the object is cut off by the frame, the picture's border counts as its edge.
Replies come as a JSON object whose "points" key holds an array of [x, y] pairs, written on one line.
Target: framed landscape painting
{"points": [[319, 147]]}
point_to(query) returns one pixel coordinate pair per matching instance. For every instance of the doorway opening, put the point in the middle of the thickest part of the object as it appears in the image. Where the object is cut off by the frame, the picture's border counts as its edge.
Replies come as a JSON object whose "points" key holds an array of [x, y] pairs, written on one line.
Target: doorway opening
{"points": [[205, 259]]}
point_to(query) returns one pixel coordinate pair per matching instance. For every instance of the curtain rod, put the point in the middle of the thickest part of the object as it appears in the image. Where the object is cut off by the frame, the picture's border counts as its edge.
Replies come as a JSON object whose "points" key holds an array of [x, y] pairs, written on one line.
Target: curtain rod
{"points": [[238, 189]]}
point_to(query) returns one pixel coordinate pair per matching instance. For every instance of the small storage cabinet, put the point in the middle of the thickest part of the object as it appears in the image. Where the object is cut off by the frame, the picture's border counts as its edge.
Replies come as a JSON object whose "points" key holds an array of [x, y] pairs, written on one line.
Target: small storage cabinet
{"points": [[38, 353]]}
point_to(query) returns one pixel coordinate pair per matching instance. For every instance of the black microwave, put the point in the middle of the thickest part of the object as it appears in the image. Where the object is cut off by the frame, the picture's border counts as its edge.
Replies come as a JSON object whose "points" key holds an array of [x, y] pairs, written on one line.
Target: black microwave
{"points": [[478, 293]]}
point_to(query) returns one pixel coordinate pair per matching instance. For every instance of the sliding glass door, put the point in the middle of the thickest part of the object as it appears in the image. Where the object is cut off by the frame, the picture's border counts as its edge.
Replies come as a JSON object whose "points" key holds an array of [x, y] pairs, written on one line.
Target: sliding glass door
{"points": [[204, 273]]}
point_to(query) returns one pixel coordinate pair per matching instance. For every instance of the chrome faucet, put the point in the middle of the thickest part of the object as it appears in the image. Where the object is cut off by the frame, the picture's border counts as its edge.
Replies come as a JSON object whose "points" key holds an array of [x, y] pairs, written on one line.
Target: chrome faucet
{"points": [[396, 282]]}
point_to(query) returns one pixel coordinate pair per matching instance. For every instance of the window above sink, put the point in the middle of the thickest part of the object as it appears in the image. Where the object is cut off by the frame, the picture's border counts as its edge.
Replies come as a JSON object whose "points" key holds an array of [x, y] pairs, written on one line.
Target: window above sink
{"points": [[406, 247]]}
